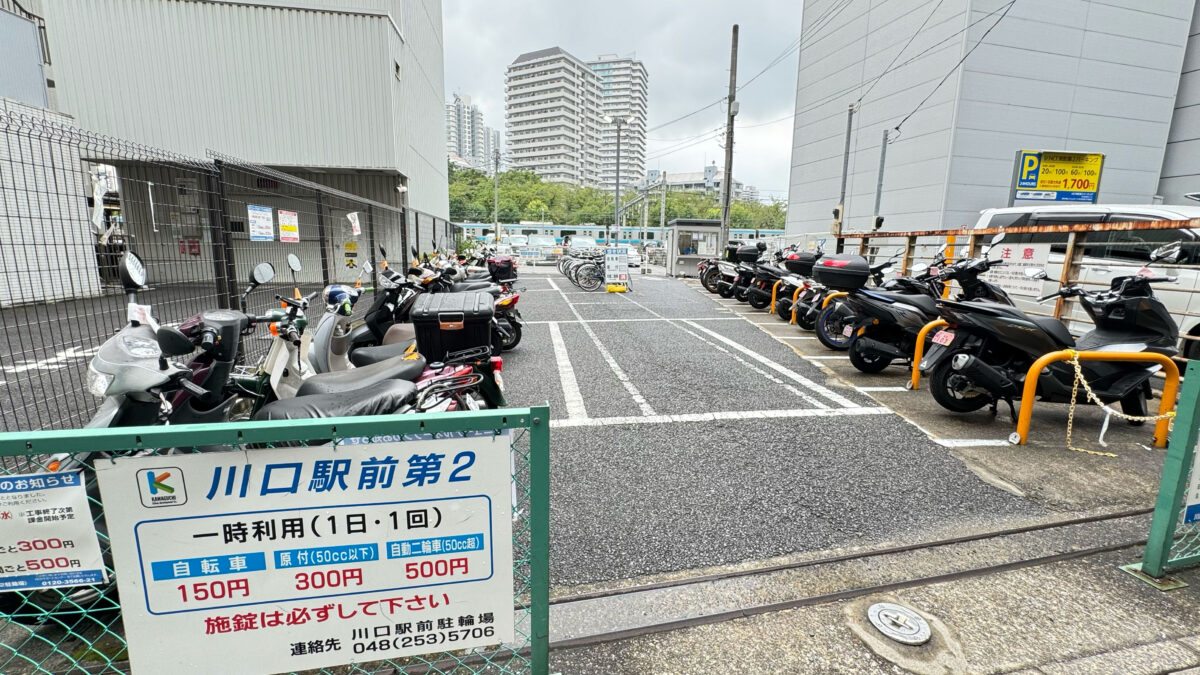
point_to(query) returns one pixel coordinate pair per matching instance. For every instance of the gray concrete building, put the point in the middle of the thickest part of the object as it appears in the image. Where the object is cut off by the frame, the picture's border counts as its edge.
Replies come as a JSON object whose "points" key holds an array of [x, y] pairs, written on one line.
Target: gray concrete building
{"points": [[1077, 75], [624, 90], [346, 94]]}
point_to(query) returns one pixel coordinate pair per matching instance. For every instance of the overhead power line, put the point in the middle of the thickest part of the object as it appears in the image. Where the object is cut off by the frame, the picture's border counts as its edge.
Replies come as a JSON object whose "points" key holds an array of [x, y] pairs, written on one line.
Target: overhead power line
{"points": [[970, 51], [902, 50]]}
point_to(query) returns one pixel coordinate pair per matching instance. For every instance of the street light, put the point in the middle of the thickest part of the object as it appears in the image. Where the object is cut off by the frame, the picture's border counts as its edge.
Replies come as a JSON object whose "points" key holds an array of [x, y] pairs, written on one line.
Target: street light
{"points": [[620, 122]]}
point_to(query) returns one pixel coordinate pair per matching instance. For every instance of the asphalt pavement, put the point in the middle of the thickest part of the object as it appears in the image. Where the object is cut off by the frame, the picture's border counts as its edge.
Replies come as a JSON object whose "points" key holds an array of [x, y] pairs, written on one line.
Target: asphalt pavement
{"points": [[697, 439]]}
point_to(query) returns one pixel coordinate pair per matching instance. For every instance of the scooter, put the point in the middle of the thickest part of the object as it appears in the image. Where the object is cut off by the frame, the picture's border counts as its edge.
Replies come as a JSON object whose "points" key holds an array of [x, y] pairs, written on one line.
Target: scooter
{"points": [[984, 353]]}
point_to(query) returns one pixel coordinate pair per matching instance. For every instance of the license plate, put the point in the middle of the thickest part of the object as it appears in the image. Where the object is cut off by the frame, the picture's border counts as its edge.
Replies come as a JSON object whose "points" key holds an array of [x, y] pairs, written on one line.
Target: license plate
{"points": [[943, 337], [848, 331]]}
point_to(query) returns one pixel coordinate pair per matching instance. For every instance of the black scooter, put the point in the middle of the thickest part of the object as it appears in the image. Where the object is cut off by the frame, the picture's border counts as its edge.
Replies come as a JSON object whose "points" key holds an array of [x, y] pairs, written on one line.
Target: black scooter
{"points": [[984, 353]]}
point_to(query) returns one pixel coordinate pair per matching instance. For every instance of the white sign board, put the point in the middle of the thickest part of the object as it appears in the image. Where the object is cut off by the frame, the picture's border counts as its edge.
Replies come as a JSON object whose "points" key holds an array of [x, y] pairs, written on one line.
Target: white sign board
{"points": [[616, 266], [1017, 258], [262, 225], [355, 229], [47, 539], [289, 226], [1191, 506], [287, 559]]}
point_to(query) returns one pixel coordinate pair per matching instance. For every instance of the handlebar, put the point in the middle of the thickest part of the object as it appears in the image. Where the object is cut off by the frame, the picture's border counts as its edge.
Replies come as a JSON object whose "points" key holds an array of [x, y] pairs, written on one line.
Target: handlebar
{"points": [[208, 339]]}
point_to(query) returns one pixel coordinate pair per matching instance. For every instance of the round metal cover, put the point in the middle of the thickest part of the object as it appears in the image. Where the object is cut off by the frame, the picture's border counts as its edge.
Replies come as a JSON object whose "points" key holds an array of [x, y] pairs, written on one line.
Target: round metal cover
{"points": [[899, 623]]}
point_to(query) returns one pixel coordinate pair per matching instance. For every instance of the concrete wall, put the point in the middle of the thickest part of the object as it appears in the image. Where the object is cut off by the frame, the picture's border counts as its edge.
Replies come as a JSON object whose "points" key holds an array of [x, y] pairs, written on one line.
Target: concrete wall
{"points": [[1181, 162]]}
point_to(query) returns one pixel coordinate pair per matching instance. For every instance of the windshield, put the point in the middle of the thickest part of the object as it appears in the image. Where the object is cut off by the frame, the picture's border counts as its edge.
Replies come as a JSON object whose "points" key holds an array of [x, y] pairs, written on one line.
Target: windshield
{"points": [[518, 240], [583, 242], [542, 240]]}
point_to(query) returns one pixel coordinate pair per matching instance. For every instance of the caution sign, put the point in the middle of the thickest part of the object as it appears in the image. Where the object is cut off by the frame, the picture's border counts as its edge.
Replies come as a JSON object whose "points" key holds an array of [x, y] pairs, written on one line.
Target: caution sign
{"points": [[351, 254], [1057, 176]]}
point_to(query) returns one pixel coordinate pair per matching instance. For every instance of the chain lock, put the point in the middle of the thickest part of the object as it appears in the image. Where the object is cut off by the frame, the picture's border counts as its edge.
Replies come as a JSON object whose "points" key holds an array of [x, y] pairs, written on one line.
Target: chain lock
{"points": [[1080, 379]]}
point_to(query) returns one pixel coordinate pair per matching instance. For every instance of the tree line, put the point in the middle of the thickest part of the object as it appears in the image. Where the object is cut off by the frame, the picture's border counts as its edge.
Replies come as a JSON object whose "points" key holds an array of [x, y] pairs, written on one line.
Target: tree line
{"points": [[525, 196]]}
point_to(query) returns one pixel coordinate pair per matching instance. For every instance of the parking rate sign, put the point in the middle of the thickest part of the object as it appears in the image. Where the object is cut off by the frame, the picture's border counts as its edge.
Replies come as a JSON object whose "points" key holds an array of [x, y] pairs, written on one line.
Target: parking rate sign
{"points": [[1058, 176], [47, 539], [282, 560], [616, 266]]}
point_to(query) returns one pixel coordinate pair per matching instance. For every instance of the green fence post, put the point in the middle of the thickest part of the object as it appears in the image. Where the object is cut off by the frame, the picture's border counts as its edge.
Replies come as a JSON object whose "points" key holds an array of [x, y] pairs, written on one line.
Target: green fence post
{"points": [[1174, 476], [539, 524]]}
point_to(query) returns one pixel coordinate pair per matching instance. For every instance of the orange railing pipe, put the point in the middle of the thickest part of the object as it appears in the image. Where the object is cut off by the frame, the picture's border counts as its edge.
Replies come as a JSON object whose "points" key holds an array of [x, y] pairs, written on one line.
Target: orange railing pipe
{"points": [[831, 297], [774, 290], [915, 380], [1170, 387]]}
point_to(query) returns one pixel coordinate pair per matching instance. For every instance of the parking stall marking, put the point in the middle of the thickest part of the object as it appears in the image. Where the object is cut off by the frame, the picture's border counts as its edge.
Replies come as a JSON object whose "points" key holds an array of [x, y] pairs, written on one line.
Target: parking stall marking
{"points": [[664, 319], [566, 375], [608, 358], [716, 416]]}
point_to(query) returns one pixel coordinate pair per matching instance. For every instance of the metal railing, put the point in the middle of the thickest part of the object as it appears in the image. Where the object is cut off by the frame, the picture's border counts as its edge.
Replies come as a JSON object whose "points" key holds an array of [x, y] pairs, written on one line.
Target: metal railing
{"points": [[80, 629]]}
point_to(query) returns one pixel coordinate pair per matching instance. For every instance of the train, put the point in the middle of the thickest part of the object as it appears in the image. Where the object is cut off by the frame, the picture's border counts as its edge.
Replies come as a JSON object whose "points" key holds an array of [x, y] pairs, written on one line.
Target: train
{"points": [[626, 235]]}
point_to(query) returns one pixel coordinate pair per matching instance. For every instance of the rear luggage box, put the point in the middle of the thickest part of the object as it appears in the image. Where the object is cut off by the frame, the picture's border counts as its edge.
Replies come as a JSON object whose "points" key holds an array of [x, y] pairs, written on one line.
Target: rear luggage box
{"points": [[801, 263], [842, 272], [748, 254], [451, 322]]}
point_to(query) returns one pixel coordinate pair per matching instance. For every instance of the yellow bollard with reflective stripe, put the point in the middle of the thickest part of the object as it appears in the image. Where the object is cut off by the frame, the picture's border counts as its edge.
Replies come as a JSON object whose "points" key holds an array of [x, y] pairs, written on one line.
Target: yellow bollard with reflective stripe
{"points": [[915, 381], [774, 290]]}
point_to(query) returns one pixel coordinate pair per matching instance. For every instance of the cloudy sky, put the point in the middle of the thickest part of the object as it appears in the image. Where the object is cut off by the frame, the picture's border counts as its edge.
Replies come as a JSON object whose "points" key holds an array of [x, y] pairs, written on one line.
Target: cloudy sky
{"points": [[685, 47]]}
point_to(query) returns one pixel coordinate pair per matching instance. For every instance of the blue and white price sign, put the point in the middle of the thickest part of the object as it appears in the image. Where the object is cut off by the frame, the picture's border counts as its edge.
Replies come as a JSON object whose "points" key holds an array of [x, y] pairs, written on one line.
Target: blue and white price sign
{"points": [[616, 266], [47, 539], [277, 561]]}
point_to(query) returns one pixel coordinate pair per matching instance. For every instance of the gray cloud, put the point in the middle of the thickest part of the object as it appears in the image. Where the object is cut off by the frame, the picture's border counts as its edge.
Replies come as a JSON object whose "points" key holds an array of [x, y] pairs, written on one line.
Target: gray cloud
{"points": [[685, 46]]}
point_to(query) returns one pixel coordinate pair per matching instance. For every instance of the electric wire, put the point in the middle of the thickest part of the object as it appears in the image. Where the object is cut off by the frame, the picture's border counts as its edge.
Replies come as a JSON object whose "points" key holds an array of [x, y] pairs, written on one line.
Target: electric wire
{"points": [[902, 50]]}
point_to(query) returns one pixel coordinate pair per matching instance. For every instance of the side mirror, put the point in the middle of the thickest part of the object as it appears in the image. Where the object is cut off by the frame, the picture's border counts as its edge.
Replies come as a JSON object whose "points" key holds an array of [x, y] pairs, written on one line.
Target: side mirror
{"points": [[262, 273], [1168, 253], [1035, 273], [382, 252], [293, 262], [919, 268], [415, 252], [997, 238], [132, 271], [173, 342], [942, 249], [366, 267]]}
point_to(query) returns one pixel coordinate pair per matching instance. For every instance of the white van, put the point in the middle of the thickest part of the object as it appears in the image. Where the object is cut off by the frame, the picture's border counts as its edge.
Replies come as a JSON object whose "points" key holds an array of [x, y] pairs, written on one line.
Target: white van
{"points": [[1112, 254]]}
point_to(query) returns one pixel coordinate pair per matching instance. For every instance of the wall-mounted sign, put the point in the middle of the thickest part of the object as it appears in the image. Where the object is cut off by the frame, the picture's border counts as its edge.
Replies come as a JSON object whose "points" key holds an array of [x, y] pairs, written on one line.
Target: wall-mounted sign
{"points": [[262, 223], [289, 226], [1057, 176]]}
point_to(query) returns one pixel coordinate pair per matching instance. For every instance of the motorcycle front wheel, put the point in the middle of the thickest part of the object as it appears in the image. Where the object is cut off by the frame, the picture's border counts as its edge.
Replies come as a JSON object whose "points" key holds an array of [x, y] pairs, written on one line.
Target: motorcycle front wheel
{"points": [[709, 279], [514, 337]]}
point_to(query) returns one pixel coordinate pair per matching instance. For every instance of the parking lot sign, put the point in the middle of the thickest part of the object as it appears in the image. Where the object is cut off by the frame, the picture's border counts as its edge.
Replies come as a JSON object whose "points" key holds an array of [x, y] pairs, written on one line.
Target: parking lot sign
{"points": [[1042, 175], [616, 266]]}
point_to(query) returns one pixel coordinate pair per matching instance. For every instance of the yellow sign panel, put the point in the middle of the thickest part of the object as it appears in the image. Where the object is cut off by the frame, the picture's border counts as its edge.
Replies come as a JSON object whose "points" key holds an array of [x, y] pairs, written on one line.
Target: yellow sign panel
{"points": [[351, 254], [1058, 176]]}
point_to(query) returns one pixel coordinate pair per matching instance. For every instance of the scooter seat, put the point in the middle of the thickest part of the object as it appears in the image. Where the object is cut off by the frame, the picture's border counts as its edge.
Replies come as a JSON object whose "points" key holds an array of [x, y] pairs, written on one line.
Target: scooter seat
{"points": [[1055, 328], [343, 381], [466, 286], [382, 399], [479, 276], [366, 356]]}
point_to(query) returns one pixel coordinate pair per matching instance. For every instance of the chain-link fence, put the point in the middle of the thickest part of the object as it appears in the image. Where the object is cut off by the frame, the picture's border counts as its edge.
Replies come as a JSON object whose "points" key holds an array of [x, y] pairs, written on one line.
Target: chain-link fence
{"points": [[71, 202], [82, 629]]}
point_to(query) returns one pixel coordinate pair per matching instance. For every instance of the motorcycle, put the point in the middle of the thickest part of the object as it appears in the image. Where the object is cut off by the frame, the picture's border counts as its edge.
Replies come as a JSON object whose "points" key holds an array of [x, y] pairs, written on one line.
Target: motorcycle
{"points": [[744, 269], [840, 273], [984, 353]]}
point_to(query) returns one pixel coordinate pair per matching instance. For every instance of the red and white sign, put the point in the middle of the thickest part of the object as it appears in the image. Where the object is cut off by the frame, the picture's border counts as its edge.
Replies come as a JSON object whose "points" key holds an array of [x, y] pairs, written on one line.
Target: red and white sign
{"points": [[289, 226]]}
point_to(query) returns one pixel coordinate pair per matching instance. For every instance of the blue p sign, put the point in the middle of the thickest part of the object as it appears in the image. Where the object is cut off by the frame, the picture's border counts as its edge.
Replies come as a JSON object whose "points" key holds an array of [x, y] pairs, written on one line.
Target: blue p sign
{"points": [[1030, 163]]}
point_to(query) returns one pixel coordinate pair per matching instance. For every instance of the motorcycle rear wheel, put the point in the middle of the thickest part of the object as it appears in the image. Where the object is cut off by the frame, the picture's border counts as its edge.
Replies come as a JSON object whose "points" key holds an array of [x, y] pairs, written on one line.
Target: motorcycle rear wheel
{"points": [[942, 385], [829, 327], [725, 292], [709, 279], [867, 363], [514, 339], [757, 301]]}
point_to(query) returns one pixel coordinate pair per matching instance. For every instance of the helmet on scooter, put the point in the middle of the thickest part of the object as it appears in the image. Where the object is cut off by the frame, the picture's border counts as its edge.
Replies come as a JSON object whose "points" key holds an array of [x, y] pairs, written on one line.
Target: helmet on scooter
{"points": [[340, 298]]}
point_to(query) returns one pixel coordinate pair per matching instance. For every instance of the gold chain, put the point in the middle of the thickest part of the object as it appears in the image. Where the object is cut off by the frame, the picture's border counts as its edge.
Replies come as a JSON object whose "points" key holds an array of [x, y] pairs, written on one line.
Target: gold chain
{"points": [[1079, 378]]}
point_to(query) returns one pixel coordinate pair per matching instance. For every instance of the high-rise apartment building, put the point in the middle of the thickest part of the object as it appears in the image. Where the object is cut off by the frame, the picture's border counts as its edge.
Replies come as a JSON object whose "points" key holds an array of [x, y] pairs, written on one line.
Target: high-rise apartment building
{"points": [[624, 89], [552, 117], [469, 142]]}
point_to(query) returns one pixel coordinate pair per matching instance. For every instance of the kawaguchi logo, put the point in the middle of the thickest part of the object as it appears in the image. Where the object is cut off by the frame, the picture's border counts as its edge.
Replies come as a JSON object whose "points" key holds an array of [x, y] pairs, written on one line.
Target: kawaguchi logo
{"points": [[162, 487]]}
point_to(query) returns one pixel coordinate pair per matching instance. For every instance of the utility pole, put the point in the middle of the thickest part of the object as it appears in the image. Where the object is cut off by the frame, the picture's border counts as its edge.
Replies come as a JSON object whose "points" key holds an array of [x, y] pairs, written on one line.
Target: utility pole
{"points": [[496, 195], [616, 190], [662, 225], [730, 112], [645, 215], [840, 216], [879, 182]]}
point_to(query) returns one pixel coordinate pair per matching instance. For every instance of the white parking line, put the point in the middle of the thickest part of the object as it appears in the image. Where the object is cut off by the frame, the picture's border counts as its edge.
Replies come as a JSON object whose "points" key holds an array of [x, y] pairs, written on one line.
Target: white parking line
{"points": [[794, 376], [960, 442], [828, 358], [703, 318], [713, 416], [612, 363], [865, 389], [793, 337], [566, 374]]}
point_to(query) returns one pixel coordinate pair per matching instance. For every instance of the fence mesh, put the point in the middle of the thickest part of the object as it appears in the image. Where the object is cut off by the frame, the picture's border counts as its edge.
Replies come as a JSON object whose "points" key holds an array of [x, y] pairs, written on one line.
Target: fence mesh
{"points": [[72, 202], [79, 629]]}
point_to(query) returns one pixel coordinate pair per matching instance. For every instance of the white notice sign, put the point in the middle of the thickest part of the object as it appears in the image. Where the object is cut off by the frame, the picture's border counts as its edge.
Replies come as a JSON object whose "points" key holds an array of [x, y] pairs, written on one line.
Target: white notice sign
{"points": [[47, 539], [616, 266], [276, 560], [1191, 506], [289, 226], [262, 224], [1017, 258]]}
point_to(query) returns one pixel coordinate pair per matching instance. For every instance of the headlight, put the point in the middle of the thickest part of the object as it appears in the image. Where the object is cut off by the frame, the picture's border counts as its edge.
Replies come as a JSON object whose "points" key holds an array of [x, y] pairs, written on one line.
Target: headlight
{"points": [[97, 382]]}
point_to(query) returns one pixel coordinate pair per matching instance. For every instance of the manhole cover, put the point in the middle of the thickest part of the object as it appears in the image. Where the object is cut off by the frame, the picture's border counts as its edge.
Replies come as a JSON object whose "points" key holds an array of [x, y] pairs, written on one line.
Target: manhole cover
{"points": [[899, 623]]}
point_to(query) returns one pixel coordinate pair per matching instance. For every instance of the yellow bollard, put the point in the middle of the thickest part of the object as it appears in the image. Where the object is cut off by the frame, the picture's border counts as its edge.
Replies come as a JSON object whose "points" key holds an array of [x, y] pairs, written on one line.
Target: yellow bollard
{"points": [[616, 288], [915, 381], [795, 297], [831, 297], [1170, 387], [774, 290]]}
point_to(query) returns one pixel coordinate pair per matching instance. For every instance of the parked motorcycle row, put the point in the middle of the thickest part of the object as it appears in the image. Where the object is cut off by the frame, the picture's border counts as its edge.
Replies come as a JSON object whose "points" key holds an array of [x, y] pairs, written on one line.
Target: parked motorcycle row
{"points": [[982, 354]]}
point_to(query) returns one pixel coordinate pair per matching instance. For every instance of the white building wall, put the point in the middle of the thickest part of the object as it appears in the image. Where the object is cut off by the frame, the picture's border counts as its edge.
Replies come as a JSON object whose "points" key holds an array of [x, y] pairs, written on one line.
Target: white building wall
{"points": [[1077, 74], [1181, 162]]}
